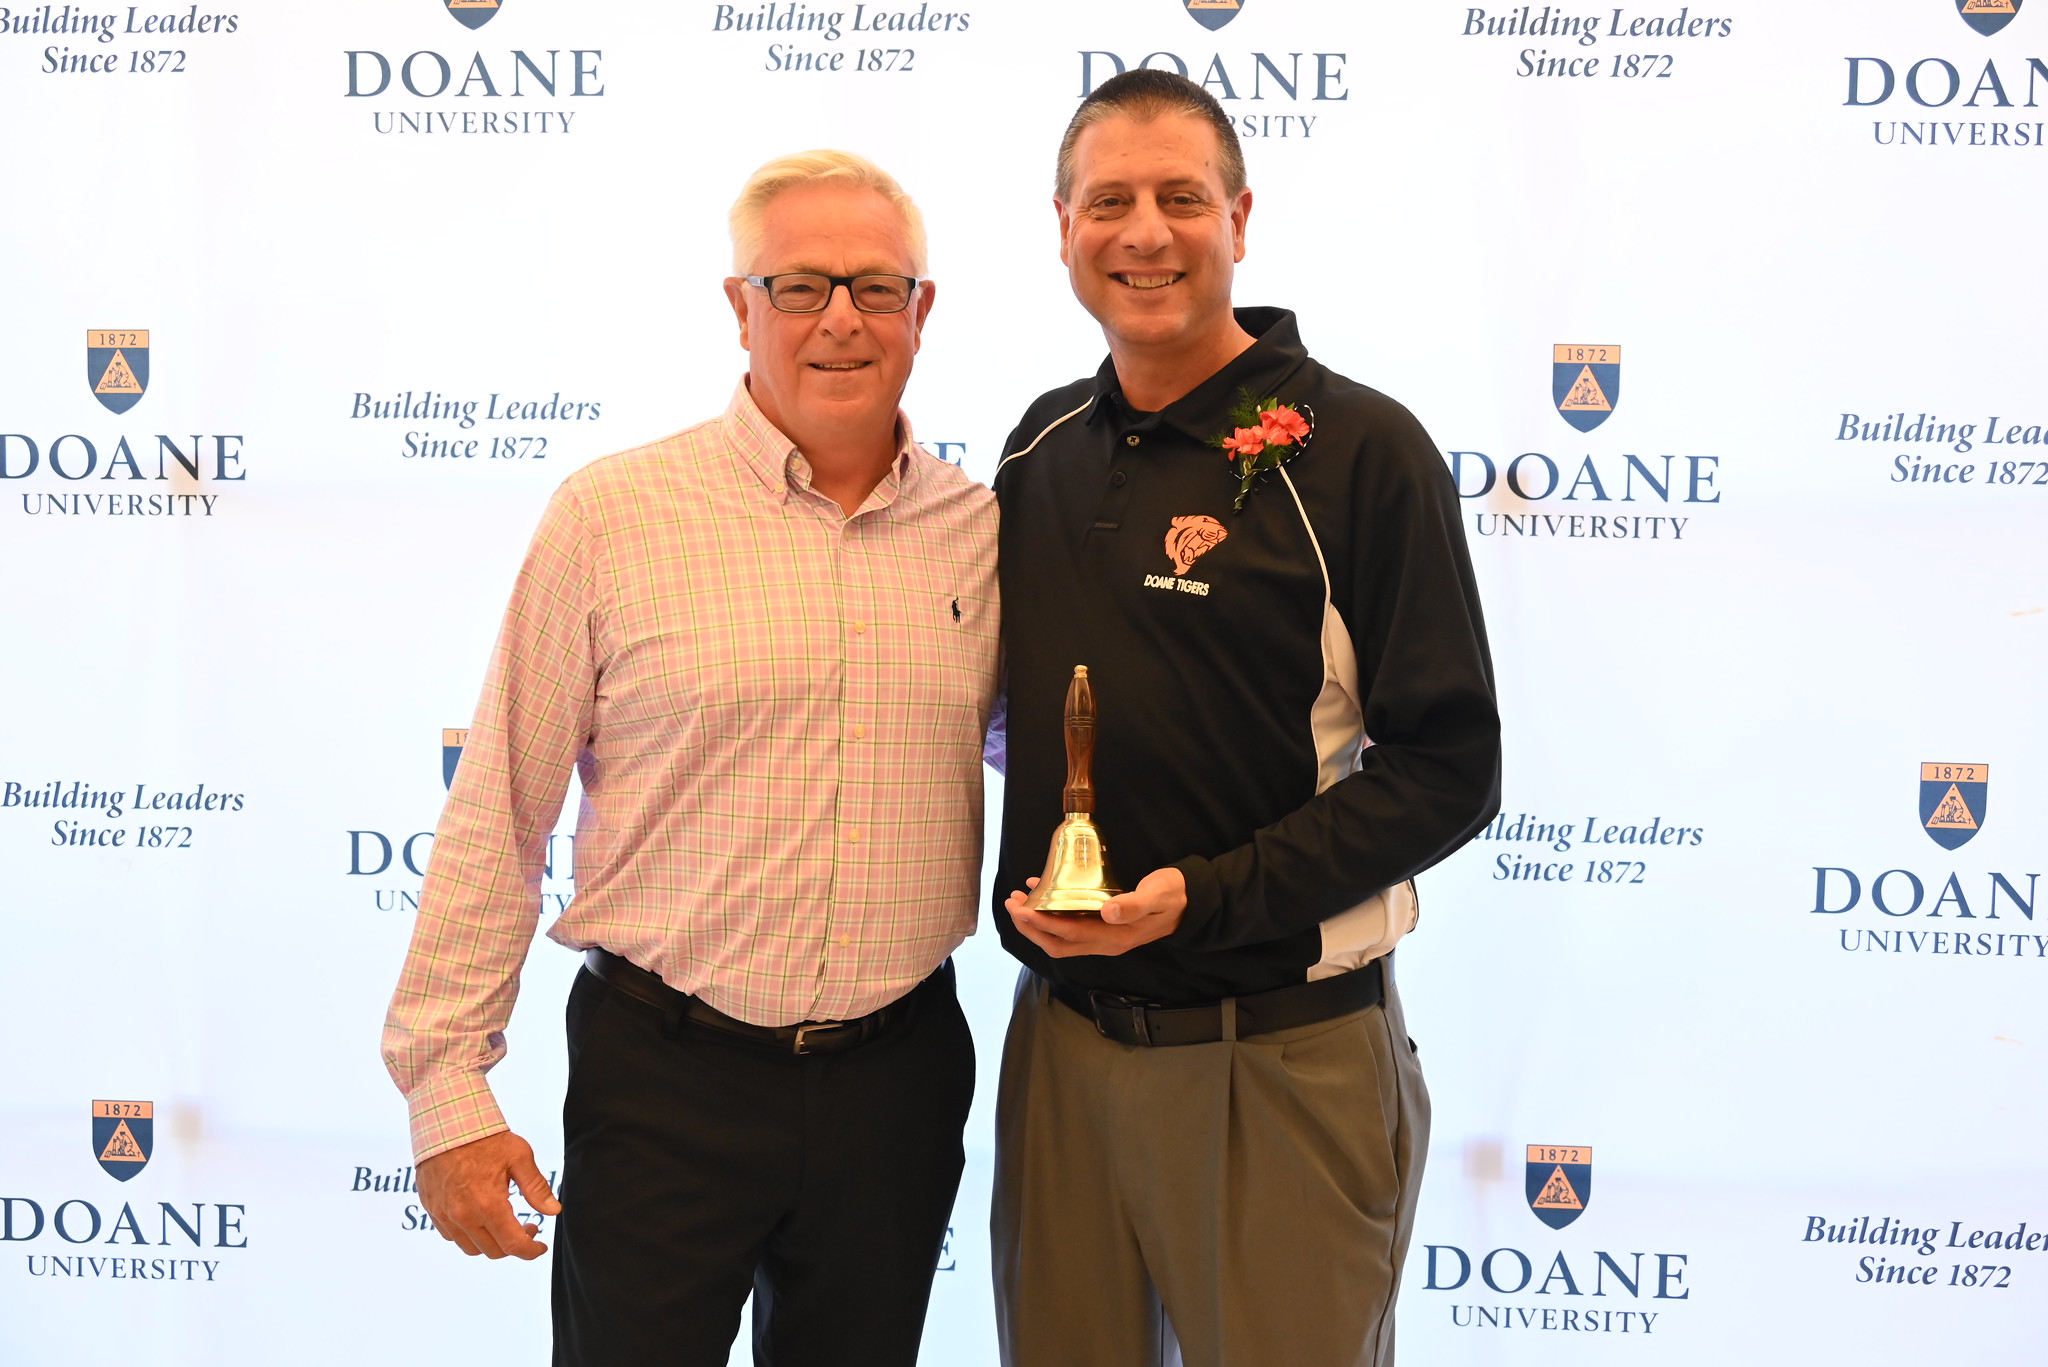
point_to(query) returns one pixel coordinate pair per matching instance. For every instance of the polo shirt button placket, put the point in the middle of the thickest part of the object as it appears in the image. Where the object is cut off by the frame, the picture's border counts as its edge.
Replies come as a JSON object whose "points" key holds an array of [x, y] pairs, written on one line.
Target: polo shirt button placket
{"points": [[1109, 512]]}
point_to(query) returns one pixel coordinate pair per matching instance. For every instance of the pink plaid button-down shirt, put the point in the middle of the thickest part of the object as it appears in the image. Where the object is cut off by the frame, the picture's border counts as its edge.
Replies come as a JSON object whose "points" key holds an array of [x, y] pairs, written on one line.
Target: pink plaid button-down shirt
{"points": [[777, 712]]}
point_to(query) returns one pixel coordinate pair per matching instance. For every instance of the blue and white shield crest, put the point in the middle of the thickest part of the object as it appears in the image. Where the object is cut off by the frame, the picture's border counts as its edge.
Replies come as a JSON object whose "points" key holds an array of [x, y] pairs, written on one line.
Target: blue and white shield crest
{"points": [[1953, 798], [1212, 14], [117, 366], [123, 1133], [1585, 383], [452, 740], [472, 13], [1559, 1182], [1988, 16]]}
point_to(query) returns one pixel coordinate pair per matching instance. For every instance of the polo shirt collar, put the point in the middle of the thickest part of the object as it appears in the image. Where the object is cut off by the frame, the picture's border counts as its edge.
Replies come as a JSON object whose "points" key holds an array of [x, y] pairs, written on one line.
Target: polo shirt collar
{"points": [[1203, 412], [781, 468]]}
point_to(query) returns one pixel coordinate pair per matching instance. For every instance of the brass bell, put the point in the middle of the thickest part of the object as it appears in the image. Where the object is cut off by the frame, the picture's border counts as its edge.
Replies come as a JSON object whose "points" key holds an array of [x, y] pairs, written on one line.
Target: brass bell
{"points": [[1077, 878]]}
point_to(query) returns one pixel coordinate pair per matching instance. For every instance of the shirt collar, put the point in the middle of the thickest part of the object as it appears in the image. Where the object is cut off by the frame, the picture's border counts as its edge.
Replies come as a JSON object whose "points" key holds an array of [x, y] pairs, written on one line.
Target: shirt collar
{"points": [[1203, 412], [775, 461]]}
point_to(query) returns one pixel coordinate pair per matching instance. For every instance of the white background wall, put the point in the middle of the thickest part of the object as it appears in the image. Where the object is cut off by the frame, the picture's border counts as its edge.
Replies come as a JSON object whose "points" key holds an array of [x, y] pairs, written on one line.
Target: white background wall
{"points": [[1768, 259]]}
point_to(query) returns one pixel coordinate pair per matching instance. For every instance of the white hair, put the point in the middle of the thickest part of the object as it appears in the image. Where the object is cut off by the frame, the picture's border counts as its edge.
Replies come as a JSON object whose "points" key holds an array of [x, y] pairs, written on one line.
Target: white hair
{"points": [[824, 166]]}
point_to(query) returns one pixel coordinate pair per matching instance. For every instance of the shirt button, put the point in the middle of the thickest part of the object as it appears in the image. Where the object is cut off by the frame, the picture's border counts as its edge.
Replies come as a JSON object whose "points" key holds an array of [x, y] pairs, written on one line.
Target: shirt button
{"points": [[1116, 481], [1131, 440], [860, 733], [860, 628], [853, 836], [845, 940]]}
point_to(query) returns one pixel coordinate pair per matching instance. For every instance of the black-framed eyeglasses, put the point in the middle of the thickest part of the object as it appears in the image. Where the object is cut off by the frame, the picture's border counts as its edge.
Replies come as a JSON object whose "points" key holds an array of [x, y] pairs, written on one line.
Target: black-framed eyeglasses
{"points": [[804, 292]]}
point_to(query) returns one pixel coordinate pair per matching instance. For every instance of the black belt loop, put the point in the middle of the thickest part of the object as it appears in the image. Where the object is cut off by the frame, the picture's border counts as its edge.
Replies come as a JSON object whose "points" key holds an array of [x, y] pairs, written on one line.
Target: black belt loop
{"points": [[1229, 1005]]}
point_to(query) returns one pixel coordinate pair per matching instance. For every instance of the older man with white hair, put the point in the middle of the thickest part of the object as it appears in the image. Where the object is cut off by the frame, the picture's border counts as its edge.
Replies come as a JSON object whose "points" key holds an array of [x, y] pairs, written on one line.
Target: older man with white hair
{"points": [[768, 645]]}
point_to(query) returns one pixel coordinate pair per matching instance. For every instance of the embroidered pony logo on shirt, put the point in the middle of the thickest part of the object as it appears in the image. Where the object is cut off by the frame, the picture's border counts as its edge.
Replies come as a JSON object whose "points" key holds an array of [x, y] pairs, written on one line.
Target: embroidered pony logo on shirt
{"points": [[1188, 540]]}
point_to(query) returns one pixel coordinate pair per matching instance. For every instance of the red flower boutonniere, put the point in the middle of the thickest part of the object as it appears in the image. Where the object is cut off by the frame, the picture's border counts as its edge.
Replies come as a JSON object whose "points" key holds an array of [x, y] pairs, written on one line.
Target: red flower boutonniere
{"points": [[1265, 435]]}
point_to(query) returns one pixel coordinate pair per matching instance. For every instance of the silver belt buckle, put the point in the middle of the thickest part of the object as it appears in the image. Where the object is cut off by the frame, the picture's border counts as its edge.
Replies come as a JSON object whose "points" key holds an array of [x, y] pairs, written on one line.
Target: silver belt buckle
{"points": [[804, 1032], [1107, 1004]]}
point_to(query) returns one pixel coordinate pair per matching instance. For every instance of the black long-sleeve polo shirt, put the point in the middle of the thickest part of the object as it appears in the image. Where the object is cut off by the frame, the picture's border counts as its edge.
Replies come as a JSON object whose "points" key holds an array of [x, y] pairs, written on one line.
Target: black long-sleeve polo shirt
{"points": [[1229, 740]]}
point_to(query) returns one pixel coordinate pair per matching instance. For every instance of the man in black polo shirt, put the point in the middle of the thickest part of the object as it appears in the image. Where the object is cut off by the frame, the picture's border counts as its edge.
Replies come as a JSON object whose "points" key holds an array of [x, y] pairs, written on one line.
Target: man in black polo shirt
{"points": [[1212, 1123]]}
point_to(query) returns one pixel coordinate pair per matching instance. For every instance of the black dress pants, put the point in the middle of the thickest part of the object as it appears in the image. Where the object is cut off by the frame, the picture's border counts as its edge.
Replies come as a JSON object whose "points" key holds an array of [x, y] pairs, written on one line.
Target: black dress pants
{"points": [[698, 1167]]}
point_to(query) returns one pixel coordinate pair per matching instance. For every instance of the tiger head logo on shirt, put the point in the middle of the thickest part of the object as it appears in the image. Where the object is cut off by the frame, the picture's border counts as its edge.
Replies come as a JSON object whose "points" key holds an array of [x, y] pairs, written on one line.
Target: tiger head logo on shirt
{"points": [[1190, 538]]}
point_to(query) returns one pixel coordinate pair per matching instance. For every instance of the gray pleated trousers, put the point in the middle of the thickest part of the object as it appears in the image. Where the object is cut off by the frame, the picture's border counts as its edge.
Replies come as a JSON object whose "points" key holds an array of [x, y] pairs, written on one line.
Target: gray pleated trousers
{"points": [[1239, 1204]]}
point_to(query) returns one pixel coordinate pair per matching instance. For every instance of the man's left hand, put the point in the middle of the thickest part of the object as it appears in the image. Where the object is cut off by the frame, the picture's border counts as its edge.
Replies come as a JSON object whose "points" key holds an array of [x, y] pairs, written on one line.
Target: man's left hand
{"points": [[1151, 911]]}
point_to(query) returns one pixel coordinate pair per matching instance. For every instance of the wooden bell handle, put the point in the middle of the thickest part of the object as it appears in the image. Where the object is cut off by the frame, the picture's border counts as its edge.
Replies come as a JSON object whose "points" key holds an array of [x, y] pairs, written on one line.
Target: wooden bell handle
{"points": [[1080, 716]]}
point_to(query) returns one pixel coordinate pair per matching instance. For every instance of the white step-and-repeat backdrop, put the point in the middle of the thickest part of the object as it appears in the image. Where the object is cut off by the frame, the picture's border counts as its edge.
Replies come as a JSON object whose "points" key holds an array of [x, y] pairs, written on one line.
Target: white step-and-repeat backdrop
{"points": [[1727, 318]]}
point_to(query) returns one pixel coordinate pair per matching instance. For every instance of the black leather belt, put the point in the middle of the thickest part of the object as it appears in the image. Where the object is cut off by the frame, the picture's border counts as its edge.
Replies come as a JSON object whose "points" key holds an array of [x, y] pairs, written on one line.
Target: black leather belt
{"points": [[1130, 1021], [810, 1037]]}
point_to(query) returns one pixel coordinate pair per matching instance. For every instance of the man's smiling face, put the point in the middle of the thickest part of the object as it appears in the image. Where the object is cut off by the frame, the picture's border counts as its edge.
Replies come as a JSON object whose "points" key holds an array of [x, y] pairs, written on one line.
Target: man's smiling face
{"points": [[1152, 235], [836, 374]]}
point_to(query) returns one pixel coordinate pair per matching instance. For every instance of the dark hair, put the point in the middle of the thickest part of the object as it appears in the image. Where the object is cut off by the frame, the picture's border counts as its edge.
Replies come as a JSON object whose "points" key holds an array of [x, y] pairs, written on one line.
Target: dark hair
{"points": [[1144, 95]]}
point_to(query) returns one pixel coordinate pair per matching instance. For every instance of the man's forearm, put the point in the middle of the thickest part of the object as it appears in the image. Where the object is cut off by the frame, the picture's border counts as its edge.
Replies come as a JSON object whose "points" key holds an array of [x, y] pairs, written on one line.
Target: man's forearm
{"points": [[1376, 828], [481, 902]]}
